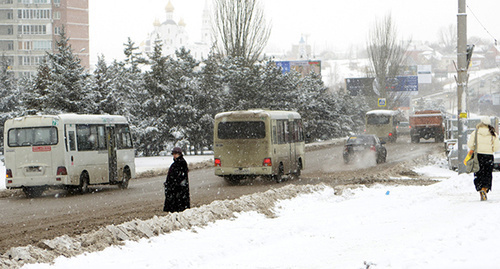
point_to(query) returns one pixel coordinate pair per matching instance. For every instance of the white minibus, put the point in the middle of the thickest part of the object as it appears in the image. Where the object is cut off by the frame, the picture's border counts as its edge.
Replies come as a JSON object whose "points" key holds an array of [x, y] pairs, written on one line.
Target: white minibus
{"points": [[258, 143], [67, 151]]}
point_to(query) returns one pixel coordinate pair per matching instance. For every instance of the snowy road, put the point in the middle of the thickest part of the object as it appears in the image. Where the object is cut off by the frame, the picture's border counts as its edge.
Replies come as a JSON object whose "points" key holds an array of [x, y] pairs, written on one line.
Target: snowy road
{"points": [[26, 221]]}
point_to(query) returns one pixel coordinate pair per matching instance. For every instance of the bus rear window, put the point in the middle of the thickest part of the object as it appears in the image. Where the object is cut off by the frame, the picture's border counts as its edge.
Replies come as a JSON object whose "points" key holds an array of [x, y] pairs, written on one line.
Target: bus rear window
{"points": [[377, 119], [32, 136], [241, 130]]}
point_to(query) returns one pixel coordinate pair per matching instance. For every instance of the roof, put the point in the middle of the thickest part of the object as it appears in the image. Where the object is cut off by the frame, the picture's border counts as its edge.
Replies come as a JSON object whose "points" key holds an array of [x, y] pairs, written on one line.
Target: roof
{"points": [[276, 114], [72, 118], [382, 112]]}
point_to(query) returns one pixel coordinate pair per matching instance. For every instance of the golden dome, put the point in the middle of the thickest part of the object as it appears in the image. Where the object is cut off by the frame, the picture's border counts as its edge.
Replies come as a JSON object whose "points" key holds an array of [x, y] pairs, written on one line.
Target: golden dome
{"points": [[156, 22], [169, 7], [181, 22]]}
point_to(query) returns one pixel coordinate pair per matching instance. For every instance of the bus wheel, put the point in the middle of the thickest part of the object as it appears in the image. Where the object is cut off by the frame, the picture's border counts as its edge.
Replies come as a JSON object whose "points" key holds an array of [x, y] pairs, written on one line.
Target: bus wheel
{"points": [[299, 168], [279, 177], [84, 183], [33, 192], [125, 179]]}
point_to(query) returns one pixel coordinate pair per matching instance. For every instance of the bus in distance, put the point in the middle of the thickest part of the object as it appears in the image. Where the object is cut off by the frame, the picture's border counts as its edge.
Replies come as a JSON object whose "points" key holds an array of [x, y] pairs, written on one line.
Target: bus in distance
{"points": [[382, 123]]}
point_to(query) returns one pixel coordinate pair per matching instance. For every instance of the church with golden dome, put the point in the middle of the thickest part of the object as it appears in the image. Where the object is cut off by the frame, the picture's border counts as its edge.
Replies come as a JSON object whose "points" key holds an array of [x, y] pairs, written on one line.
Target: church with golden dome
{"points": [[173, 35]]}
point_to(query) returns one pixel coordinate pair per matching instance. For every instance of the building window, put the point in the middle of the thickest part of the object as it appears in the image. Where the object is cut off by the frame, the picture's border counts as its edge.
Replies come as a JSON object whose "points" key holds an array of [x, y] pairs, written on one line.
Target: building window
{"points": [[57, 15], [33, 1], [32, 29], [57, 30], [33, 14], [30, 60], [27, 74], [42, 45], [25, 45], [6, 45]]}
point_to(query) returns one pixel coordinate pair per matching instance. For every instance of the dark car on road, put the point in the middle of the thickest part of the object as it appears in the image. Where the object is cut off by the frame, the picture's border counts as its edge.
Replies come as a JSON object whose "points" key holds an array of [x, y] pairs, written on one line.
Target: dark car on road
{"points": [[364, 147]]}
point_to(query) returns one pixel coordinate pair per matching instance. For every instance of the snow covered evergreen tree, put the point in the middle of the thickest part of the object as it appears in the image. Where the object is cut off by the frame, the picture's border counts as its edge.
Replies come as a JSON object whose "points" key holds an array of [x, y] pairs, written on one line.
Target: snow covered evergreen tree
{"points": [[9, 93], [61, 83]]}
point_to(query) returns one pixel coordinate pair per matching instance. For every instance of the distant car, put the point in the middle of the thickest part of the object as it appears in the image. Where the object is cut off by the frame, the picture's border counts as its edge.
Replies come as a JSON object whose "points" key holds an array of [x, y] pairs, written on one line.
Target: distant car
{"points": [[359, 147], [496, 161], [403, 128], [448, 145]]}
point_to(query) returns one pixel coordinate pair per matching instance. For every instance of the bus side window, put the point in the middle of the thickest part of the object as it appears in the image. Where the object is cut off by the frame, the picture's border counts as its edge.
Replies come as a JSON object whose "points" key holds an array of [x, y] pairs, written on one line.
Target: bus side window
{"points": [[295, 131], [124, 138], [71, 139], [275, 138], [280, 131], [83, 137], [91, 137], [286, 128], [300, 131], [101, 138]]}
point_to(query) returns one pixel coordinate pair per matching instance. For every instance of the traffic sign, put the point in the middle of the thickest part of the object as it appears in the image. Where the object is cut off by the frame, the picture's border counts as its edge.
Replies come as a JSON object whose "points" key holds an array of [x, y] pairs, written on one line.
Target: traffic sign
{"points": [[382, 102]]}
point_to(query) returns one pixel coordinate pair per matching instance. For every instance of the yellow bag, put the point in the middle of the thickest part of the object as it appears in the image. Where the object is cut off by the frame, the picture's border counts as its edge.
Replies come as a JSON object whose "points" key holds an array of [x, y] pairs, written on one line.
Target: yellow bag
{"points": [[469, 155]]}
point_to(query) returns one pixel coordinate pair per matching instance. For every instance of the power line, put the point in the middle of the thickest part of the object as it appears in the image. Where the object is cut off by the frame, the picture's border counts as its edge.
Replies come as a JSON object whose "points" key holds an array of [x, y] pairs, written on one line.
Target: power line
{"points": [[482, 24]]}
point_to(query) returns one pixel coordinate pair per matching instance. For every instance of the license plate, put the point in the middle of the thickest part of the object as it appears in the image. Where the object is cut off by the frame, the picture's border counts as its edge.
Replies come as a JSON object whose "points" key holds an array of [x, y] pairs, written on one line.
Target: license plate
{"points": [[359, 148], [242, 171], [33, 169]]}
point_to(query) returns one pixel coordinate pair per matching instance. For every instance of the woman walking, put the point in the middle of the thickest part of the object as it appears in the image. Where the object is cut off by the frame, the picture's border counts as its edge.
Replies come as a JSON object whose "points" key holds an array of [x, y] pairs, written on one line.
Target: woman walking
{"points": [[177, 184], [487, 144]]}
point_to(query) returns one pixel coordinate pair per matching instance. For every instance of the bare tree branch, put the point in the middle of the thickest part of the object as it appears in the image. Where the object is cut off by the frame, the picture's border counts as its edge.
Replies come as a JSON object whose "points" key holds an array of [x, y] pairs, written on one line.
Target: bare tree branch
{"points": [[240, 28], [387, 56]]}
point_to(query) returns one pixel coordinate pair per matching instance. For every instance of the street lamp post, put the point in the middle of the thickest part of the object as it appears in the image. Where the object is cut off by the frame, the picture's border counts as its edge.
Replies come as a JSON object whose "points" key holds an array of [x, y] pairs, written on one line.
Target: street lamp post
{"points": [[461, 83]]}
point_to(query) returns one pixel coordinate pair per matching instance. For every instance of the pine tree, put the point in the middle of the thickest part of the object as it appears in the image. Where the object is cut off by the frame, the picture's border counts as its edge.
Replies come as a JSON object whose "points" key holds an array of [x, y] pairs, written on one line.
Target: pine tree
{"points": [[156, 119], [9, 92], [61, 83]]}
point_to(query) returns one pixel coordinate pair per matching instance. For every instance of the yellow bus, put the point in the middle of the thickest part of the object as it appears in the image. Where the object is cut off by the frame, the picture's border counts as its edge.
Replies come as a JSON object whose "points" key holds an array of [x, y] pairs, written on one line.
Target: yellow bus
{"points": [[382, 123], [67, 151], [255, 143]]}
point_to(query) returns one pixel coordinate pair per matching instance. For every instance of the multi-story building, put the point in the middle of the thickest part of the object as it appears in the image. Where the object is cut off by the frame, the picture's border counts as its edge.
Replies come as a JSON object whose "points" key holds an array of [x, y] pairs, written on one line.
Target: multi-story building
{"points": [[30, 28]]}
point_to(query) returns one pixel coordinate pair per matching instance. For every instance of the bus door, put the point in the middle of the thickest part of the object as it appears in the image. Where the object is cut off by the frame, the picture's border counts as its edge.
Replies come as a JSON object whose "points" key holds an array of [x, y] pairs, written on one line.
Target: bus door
{"points": [[289, 126], [70, 144], [112, 148]]}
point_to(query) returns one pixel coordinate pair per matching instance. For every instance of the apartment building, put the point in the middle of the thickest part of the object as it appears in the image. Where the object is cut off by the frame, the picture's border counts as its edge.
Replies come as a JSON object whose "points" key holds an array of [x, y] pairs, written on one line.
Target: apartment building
{"points": [[30, 28]]}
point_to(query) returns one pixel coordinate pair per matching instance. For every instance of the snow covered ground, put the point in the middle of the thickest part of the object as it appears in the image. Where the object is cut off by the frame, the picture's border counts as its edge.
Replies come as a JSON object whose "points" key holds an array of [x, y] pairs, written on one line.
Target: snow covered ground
{"points": [[443, 225]]}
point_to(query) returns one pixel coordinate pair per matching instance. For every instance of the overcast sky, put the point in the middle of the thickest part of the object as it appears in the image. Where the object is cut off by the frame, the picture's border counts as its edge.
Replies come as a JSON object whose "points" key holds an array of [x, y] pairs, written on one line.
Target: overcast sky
{"points": [[326, 23]]}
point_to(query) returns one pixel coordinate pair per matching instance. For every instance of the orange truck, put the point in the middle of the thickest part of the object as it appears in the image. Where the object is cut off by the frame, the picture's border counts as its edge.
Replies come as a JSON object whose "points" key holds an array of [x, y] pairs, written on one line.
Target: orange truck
{"points": [[427, 124]]}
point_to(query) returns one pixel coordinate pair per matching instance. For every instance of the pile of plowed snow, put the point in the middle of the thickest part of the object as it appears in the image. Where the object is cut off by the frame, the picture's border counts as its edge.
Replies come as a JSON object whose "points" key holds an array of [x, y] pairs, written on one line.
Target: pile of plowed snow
{"points": [[47, 250]]}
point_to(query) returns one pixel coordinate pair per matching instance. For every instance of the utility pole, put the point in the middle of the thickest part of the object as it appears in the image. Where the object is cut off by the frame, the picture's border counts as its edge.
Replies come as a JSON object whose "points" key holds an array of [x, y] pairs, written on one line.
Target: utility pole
{"points": [[461, 83]]}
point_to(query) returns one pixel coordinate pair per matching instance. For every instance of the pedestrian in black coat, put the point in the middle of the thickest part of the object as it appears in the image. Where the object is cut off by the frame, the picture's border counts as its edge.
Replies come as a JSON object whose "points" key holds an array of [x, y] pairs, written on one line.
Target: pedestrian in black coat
{"points": [[177, 184]]}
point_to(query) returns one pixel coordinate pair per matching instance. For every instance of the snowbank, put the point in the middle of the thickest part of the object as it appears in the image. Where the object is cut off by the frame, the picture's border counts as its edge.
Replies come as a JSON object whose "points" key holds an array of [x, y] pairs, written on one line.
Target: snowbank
{"points": [[443, 225], [48, 250]]}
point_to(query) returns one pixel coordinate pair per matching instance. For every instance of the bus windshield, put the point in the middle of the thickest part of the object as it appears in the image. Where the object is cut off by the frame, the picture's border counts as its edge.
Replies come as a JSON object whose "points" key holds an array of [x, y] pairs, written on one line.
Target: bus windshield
{"points": [[241, 130], [32, 136], [377, 119]]}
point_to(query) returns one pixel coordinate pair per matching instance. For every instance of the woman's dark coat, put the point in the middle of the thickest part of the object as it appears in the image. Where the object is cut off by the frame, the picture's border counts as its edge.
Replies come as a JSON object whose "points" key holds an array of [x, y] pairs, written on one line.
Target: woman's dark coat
{"points": [[177, 187]]}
